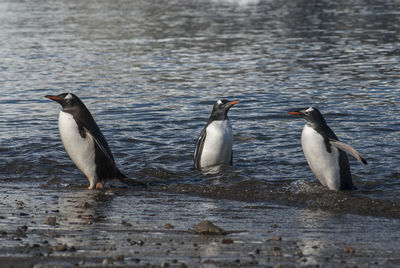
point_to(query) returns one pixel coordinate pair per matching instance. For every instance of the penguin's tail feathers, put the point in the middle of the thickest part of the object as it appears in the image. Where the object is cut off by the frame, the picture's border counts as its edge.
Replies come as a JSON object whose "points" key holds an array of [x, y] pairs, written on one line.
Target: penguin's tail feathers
{"points": [[128, 181]]}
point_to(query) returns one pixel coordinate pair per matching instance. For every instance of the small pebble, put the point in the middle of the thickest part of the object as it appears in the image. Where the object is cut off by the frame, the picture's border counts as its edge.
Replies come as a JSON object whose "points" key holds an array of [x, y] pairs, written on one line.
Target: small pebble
{"points": [[20, 233], [227, 241], [127, 224], [119, 257], [208, 228], [59, 247], [168, 226], [276, 253], [275, 238], [349, 250], [50, 234], [51, 221]]}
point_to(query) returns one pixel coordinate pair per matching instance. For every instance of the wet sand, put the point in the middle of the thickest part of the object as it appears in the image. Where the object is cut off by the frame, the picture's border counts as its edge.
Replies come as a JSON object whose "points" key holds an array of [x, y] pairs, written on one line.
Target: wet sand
{"points": [[69, 226]]}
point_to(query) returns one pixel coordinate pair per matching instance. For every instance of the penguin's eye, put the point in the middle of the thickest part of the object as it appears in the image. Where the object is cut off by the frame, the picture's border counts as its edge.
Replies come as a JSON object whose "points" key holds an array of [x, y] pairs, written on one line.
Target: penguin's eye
{"points": [[308, 111], [68, 98]]}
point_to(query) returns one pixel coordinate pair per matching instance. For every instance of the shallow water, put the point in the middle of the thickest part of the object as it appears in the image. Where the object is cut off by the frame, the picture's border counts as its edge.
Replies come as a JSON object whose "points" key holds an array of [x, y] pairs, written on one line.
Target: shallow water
{"points": [[150, 71]]}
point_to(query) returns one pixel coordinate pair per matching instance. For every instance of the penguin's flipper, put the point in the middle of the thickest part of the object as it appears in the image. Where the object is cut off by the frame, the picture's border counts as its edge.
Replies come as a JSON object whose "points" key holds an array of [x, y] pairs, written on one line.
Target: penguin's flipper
{"points": [[347, 148], [199, 148], [106, 152]]}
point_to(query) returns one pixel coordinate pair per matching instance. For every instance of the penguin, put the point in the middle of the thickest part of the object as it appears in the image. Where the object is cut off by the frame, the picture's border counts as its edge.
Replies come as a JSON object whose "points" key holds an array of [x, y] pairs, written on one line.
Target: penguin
{"points": [[325, 154], [85, 144], [214, 145]]}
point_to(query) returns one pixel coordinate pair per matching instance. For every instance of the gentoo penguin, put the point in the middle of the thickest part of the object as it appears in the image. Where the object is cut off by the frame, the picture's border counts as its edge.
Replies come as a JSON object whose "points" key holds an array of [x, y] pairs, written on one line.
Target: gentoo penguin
{"points": [[85, 144], [214, 145], [325, 154]]}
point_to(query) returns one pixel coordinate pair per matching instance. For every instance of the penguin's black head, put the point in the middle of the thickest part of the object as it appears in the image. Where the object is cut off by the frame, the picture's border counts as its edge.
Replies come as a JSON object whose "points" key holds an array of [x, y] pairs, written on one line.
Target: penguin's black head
{"points": [[310, 114], [67, 100], [221, 108]]}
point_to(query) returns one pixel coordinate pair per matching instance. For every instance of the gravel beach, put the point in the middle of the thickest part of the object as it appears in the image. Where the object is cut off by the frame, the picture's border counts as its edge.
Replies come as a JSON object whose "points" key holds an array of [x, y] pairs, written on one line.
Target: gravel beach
{"points": [[75, 227]]}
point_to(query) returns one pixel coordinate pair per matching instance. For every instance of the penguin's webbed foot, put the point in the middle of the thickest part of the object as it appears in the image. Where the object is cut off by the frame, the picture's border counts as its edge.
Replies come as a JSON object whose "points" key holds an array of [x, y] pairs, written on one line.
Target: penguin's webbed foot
{"points": [[100, 185]]}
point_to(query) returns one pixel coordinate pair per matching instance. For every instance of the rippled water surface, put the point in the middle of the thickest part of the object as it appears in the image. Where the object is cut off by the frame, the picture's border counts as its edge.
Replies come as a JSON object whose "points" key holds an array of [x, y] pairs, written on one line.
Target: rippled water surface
{"points": [[150, 71]]}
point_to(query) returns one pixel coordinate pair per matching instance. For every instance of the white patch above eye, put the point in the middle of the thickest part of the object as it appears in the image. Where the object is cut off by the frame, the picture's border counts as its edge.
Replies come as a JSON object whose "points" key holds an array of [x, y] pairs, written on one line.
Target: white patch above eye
{"points": [[68, 97], [219, 102], [310, 109]]}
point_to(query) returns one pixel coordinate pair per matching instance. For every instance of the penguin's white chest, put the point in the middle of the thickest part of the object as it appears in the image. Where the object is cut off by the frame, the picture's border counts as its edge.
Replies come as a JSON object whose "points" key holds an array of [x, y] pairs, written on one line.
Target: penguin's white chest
{"points": [[217, 148], [80, 150], [324, 164]]}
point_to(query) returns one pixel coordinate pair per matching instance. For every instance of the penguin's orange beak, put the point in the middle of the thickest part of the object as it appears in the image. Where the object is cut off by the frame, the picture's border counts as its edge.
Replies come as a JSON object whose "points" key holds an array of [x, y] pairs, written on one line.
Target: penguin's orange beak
{"points": [[233, 102], [294, 113], [54, 98]]}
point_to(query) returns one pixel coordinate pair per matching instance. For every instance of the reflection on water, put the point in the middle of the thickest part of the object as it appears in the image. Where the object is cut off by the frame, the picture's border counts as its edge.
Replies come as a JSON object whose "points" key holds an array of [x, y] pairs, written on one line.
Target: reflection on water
{"points": [[83, 207], [83, 210], [149, 71], [321, 232]]}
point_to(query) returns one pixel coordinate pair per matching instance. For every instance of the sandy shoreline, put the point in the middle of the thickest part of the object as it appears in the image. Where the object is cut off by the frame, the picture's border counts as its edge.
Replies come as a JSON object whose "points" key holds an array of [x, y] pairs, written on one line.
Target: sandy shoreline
{"points": [[81, 228]]}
